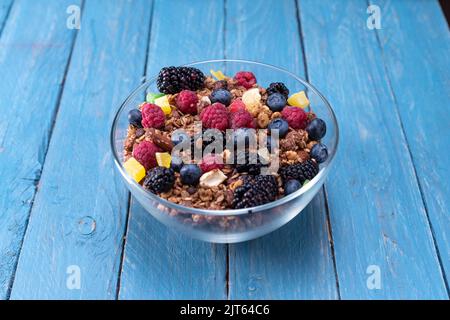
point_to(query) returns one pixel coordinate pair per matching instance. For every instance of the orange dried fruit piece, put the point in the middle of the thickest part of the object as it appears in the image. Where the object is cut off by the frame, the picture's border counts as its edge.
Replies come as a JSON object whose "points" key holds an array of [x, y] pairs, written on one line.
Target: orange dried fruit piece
{"points": [[134, 169], [299, 99], [164, 159], [217, 74]]}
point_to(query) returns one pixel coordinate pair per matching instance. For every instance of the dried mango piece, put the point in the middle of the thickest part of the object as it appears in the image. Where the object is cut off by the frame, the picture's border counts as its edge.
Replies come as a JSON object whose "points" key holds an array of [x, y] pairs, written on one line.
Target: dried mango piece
{"points": [[163, 103], [134, 169], [217, 74], [164, 159], [299, 99]]}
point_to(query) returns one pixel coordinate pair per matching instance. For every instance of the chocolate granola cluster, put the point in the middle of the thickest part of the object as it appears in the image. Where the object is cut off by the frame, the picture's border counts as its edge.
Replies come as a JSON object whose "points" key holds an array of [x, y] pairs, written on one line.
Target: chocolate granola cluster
{"points": [[218, 142]]}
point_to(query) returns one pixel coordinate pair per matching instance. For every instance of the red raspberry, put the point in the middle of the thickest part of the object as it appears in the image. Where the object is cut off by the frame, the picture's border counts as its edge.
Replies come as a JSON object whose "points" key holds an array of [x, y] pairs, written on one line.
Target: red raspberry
{"points": [[211, 162], [237, 105], [152, 116], [242, 119], [245, 79], [186, 101], [145, 154], [295, 117], [215, 116]]}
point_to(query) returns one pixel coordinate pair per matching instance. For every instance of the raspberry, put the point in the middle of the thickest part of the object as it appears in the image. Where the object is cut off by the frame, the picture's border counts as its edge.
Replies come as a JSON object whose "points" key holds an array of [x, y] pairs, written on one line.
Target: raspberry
{"points": [[237, 105], [186, 102], [296, 117], [245, 79], [145, 153], [242, 119], [211, 162], [215, 117], [152, 116]]}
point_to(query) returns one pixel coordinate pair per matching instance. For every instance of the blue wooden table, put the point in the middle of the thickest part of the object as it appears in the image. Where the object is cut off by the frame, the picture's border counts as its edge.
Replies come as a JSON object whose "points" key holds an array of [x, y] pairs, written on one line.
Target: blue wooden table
{"points": [[380, 228]]}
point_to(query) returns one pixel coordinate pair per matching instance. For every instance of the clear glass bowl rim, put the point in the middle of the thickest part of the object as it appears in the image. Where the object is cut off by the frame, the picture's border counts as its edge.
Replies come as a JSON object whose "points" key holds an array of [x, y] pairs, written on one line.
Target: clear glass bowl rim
{"points": [[227, 212]]}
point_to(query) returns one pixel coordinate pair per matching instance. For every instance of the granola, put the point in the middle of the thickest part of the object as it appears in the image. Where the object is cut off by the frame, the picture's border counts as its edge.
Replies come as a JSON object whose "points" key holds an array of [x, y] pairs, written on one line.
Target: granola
{"points": [[264, 124]]}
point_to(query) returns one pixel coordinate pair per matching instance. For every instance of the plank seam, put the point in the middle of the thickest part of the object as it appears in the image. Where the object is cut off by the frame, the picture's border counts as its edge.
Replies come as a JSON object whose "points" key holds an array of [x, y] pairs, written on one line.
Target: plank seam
{"points": [[330, 233], [46, 146], [416, 176], [124, 240], [127, 219], [300, 33], [224, 39], [8, 11], [325, 196]]}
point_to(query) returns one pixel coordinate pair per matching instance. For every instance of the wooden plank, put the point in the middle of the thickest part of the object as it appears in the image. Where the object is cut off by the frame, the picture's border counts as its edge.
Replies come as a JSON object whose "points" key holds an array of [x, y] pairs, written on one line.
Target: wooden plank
{"points": [[159, 263], [377, 214], [294, 262], [78, 218], [415, 40], [35, 46]]}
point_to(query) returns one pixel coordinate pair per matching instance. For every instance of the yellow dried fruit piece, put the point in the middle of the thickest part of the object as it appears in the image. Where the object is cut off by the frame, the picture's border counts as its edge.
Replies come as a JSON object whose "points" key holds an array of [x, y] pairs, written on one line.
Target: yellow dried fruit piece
{"points": [[164, 159], [299, 99], [167, 109], [134, 169], [251, 97], [217, 74], [163, 103]]}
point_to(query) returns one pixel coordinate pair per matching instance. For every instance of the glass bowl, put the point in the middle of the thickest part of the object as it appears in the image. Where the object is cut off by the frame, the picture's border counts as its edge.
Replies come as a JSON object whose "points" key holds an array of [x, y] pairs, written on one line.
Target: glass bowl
{"points": [[229, 226]]}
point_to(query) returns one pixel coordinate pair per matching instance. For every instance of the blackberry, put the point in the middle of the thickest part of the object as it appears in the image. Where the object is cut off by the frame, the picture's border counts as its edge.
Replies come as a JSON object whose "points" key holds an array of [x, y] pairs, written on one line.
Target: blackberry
{"points": [[278, 87], [255, 191], [191, 78], [159, 179], [174, 79], [248, 162], [299, 171]]}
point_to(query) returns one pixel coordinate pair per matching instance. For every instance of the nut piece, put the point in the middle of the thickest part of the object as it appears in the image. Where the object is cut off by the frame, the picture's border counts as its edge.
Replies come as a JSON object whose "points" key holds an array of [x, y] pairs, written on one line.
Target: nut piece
{"points": [[263, 120], [251, 97], [212, 178], [160, 140]]}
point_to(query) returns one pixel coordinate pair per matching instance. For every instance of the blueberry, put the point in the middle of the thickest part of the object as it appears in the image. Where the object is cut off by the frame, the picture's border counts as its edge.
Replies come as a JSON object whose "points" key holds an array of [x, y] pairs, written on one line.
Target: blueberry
{"points": [[176, 164], [135, 118], [221, 95], [316, 129], [190, 174], [291, 186], [276, 102], [281, 125], [179, 136], [319, 152]]}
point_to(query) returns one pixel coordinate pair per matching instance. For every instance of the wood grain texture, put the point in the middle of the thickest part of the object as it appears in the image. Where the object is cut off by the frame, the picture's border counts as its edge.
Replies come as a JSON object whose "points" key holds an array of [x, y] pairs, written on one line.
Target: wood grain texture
{"points": [[295, 261], [415, 41], [34, 50], [158, 262], [377, 214], [78, 218]]}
